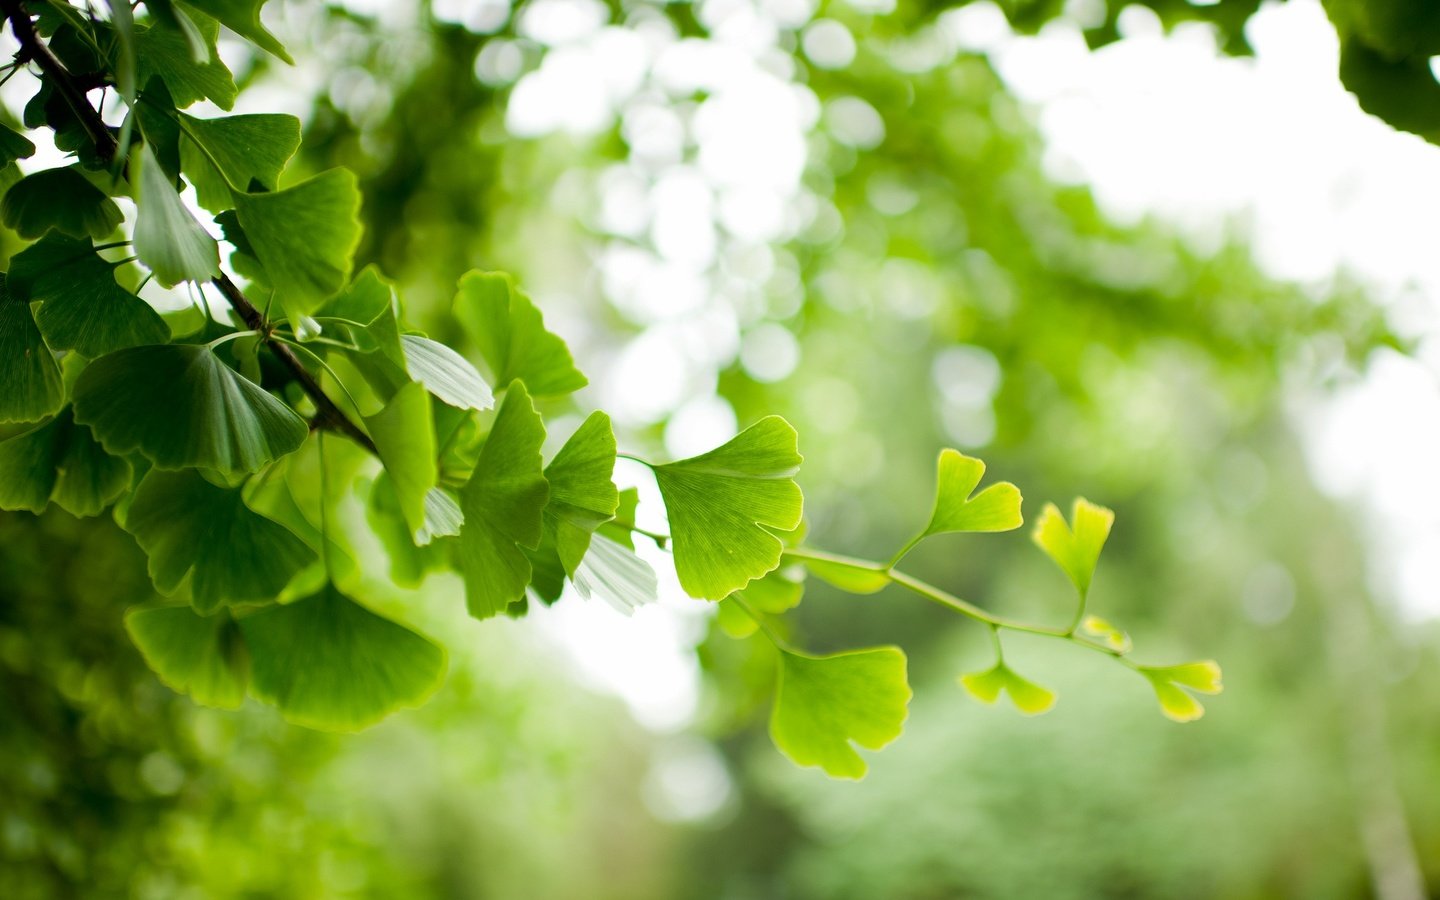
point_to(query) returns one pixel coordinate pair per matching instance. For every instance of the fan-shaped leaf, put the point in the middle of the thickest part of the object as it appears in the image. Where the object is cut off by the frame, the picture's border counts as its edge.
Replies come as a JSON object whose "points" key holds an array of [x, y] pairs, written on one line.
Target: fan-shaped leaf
{"points": [[203, 656], [180, 407], [616, 575], [997, 508], [13, 146], [1028, 697], [512, 336], [824, 705], [1075, 551], [243, 18], [169, 54], [404, 434], [246, 149], [62, 199], [1173, 686], [718, 502], [445, 373], [167, 238], [60, 461]]}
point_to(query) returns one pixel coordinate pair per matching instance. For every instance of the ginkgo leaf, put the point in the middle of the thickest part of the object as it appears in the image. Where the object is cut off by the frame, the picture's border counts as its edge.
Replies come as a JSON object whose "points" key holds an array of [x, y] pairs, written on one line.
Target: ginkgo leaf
{"points": [[997, 508], [445, 373], [504, 504], [232, 555], [243, 18], [33, 388], [1173, 686], [410, 559], [82, 307], [232, 152], [1028, 697], [203, 656], [1108, 634], [512, 336], [305, 236], [327, 662], [369, 301], [854, 576], [289, 493], [825, 706], [60, 461], [13, 146], [776, 593], [168, 240], [169, 54], [616, 575], [62, 199], [719, 503], [404, 434], [582, 496], [1074, 551], [181, 407]]}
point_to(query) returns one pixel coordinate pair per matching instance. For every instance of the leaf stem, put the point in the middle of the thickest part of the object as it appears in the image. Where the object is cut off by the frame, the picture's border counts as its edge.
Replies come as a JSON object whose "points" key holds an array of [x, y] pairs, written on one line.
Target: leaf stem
{"points": [[633, 458], [32, 48], [759, 620]]}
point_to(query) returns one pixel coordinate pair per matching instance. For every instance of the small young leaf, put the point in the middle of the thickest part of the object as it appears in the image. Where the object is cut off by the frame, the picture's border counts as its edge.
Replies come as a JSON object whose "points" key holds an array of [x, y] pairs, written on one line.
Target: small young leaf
{"points": [[168, 240], [1173, 685], [1108, 634], [169, 54], [233, 556], [243, 18], [305, 236], [997, 508], [327, 662], [1077, 551], [616, 575], [1028, 697], [824, 704], [246, 148], [203, 656], [504, 503], [405, 436], [62, 199], [60, 461], [33, 389], [82, 307], [445, 373], [512, 337], [719, 502], [181, 407]]}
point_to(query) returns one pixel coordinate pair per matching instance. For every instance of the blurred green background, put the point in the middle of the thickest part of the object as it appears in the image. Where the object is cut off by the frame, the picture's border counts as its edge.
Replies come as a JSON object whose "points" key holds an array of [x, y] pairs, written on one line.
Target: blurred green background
{"points": [[880, 257]]}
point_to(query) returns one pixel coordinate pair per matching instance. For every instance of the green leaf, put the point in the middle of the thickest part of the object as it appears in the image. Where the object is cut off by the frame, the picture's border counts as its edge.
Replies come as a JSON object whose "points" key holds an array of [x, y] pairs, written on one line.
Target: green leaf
{"points": [[167, 238], [305, 236], [169, 54], [1108, 634], [180, 407], [512, 337], [246, 149], [718, 503], [62, 199], [166, 13], [13, 146], [289, 493], [370, 302], [82, 307], [156, 116], [1075, 551], [327, 662], [203, 656], [445, 373], [60, 461], [1173, 685], [611, 571], [232, 555], [778, 592], [243, 18], [1028, 697], [619, 528], [504, 503], [854, 576], [997, 508], [582, 496], [827, 705], [404, 434], [33, 389]]}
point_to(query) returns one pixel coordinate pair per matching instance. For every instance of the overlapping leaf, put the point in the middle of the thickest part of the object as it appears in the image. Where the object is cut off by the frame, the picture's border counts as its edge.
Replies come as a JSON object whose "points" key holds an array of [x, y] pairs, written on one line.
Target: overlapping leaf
{"points": [[33, 388], [236, 152], [243, 18], [404, 434], [720, 505], [445, 373], [180, 407], [167, 238], [512, 336], [169, 54], [203, 656], [60, 461], [825, 706]]}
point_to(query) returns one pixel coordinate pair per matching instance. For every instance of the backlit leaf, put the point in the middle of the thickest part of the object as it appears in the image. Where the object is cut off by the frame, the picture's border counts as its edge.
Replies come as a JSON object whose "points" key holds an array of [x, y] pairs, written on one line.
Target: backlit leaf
{"points": [[245, 148], [180, 407], [719, 503], [404, 434], [1173, 686], [169, 54], [445, 373], [243, 18], [825, 706], [582, 496], [512, 337], [616, 575], [997, 508], [203, 656], [1074, 551], [854, 576], [13, 146], [1028, 697], [327, 662]]}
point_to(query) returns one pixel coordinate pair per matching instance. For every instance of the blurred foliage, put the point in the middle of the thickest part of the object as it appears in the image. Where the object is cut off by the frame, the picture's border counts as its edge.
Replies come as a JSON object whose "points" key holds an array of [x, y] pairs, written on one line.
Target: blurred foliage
{"points": [[942, 291]]}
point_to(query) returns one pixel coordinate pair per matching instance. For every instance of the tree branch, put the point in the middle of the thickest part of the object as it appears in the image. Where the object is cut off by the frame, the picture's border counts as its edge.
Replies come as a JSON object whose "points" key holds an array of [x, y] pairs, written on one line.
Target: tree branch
{"points": [[328, 415]]}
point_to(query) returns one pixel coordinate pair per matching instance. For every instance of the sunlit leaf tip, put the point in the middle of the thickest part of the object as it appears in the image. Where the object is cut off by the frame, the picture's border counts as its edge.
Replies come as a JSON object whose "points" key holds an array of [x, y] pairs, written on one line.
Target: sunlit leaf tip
{"points": [[996, 508], [1074, 547], [722, 505], [826, 706], [1108, 634], [1175, 687], [1028, 697]]}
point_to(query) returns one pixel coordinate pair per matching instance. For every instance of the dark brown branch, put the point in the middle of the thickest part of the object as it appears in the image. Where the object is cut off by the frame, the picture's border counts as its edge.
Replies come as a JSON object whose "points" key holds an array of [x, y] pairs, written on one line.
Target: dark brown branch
{"points": [[32, 48], [327, 415]]}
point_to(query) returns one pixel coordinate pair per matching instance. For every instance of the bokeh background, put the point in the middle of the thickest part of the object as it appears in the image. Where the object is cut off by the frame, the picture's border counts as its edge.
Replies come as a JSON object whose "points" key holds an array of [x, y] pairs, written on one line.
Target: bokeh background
{"points": [[1196, 288]]}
